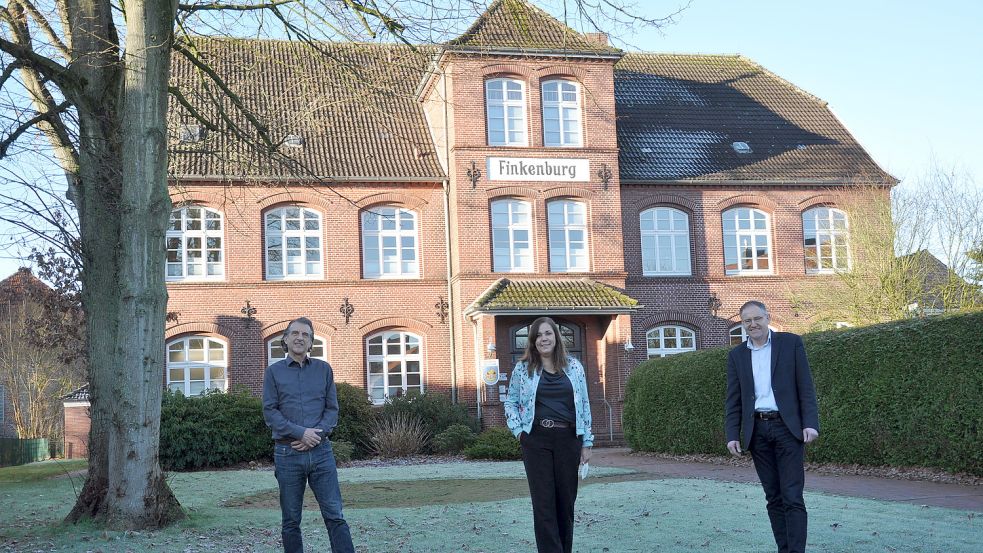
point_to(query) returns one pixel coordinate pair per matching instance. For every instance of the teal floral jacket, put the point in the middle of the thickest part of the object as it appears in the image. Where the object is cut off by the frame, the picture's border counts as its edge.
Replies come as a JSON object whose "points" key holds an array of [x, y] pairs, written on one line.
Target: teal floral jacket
{"points": [[520, 403]]}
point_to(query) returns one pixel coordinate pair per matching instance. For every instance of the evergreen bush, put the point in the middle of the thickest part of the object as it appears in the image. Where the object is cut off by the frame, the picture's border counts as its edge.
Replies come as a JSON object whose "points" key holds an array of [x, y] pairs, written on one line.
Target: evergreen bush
{"points": [[497, 444], [356, 418], [905, 393], [435, 410], [454, 440], [343, 451]]}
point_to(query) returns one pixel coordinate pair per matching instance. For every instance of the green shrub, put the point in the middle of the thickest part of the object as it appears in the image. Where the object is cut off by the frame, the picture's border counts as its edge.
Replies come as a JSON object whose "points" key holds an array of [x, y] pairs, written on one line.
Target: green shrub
{"points": [[399, 435], [905, 393], [356, 417], [497, 444], [435, 410], [454, 440], [343, 451], [214, 430]]}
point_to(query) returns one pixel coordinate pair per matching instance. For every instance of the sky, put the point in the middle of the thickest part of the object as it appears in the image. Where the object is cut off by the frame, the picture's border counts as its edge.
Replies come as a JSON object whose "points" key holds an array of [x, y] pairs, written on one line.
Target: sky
{"points": [[905, 77]]}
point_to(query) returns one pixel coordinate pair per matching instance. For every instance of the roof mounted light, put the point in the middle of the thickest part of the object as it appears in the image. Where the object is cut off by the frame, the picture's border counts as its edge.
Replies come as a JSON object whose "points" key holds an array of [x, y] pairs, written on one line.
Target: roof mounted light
{"points": [[742, 148], [294, 141]]}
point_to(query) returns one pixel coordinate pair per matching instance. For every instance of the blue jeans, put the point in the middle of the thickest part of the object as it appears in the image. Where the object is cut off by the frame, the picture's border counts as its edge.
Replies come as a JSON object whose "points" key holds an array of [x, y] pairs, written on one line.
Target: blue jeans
{"points": [[294, 470]]}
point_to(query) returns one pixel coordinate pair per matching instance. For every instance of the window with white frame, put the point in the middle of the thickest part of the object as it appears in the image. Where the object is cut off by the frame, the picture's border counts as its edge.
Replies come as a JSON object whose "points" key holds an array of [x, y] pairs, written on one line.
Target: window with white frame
{"points": [[196, 364], [747, 241], [395, 365], [194, 245], [511, 236], [274, 350], [505, 102], [389, 243], [738, 334], [561, 113], [825, 240], [669, 340], [293, 244], [665, 242], [567, 220]]}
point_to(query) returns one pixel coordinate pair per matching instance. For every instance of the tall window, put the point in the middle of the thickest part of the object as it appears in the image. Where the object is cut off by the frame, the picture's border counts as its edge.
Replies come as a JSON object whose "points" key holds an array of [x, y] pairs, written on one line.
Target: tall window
{"points": [[505, 101], [274, 352], [194, 245], [669, 340], [561, 113], [293, 244], [825, 240], [747, 241], [665, 242], [568, 236], [196, 364], [394, 362], [511, 236], [389, 243]]}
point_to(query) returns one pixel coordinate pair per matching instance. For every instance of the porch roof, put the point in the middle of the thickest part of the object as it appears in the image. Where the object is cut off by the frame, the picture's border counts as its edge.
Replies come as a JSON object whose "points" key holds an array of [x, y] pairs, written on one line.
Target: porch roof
{"points": [[566, 296]]}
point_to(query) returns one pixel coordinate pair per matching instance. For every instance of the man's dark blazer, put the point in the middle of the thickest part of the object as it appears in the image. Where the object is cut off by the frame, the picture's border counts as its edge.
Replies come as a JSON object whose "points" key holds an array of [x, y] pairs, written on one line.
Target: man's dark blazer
{"points": [[790, 380]]}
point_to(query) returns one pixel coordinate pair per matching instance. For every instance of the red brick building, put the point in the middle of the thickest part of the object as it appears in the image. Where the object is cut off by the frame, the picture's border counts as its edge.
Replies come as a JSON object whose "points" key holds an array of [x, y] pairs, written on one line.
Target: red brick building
{"points": [[422, 209]]}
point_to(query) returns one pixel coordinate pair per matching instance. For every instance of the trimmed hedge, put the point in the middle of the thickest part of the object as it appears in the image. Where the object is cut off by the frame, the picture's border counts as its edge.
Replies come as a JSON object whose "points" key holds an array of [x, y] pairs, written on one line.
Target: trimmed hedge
{"points": [[907, 393]]}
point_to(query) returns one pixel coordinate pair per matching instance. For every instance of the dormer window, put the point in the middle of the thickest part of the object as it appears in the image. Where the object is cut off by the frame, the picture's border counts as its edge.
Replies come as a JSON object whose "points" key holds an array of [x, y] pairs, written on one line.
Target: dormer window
{"points": [[190, 134], [505, 103]]}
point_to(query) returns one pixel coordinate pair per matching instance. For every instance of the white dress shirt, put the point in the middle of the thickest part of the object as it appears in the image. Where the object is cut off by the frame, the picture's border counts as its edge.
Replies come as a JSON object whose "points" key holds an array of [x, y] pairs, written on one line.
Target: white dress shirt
{"points": [[764, 396]]}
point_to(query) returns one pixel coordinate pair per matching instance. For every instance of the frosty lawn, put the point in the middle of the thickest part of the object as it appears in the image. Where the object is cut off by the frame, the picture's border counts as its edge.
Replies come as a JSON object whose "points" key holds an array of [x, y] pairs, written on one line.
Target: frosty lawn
{"points": [[483, 507]]}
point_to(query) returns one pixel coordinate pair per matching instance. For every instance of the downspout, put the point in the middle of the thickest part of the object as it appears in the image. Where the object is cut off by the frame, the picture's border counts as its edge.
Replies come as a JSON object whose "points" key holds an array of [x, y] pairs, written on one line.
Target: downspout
{"points": [[477, 366], [447, 245]]}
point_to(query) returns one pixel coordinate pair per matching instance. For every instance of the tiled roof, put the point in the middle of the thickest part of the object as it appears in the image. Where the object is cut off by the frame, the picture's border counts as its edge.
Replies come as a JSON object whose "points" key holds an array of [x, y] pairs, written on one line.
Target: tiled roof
{"points": [[582, 295], [679, 115], [82, 394], [517, 26], [353, 105]]}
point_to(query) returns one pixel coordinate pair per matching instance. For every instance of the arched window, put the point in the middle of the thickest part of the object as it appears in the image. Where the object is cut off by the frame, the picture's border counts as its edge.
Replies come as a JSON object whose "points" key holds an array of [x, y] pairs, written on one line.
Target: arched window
{"points": [[196, 364], [669, 340], [747, 241], [665, 242], [194, 245], [394, 362], [511, 236], [505, 102], [293, 244], [738, 334], [274, 352], [389, 243], [825, 240], [567, 221], [561, 113]]}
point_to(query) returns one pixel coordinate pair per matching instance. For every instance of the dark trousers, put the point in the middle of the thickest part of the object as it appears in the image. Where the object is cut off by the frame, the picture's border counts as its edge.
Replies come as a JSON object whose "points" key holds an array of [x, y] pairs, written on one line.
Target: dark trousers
{"points": [[552, 458], [778, 458]]}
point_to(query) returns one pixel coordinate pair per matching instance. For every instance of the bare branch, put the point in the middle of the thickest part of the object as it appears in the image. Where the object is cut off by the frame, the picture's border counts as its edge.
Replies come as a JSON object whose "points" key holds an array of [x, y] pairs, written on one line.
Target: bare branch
{"points": [[48, 116], [49, 32], [197, 115], [218, 6]]}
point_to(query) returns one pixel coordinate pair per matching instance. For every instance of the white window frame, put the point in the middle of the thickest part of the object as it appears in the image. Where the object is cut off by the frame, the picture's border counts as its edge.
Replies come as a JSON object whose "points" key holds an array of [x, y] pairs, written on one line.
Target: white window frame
{"points": [[559, 107], [738, 331], [743, 228], [183, 257], [513, 210], [275, 353], [313, 269], [831, 224], [510, 111], [666, 334], [566, 219], [394, 230], [184, 364], [380, 363], [666, 229]]}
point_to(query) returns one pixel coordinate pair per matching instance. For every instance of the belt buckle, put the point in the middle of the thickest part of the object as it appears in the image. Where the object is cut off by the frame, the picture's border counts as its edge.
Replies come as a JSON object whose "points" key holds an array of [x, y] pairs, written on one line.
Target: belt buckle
{"points": [[547, 423]]}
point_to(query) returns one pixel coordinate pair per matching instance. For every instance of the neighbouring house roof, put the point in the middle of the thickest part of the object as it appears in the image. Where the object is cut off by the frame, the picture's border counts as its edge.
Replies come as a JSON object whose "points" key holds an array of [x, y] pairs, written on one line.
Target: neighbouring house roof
{"points": [[552, 296], [515, 26], [679, 116], [82, 394], [352, 105], [23, 283]]}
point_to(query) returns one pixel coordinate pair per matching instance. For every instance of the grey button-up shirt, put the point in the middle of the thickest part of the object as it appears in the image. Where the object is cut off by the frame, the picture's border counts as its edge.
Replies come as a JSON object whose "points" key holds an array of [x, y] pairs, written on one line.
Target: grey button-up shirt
{"points": [[296, 397]]}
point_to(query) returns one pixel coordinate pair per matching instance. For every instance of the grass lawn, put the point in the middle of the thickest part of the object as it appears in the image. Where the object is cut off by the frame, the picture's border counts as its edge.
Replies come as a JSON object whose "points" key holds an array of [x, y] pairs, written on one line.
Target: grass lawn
{"points": [[482, 507]]}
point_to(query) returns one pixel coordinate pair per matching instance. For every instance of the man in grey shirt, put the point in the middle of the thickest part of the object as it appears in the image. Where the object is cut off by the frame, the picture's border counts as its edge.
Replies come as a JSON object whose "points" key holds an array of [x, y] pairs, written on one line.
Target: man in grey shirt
{"points": [[300, 405]]}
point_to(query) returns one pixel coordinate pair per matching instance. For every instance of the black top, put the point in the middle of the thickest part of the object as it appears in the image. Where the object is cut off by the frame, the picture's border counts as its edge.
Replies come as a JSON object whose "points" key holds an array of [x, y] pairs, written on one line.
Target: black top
{"points": [[554, 398]]}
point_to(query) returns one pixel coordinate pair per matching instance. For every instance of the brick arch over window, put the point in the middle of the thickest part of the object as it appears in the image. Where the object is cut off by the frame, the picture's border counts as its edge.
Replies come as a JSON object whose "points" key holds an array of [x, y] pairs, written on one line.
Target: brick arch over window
{"points": [[517, 192], [750, 200], [277, 328], [819, 200], [194, 199], [570, 192], [505, 71], [404, 200], [554, 72], [668, 317], [303, 199], [665, 200], [198, 327], [407, 323]]}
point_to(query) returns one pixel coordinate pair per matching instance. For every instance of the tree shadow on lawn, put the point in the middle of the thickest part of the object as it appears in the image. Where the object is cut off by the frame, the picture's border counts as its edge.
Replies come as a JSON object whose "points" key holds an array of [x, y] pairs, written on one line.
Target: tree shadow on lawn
{"points": [[420, 493]]}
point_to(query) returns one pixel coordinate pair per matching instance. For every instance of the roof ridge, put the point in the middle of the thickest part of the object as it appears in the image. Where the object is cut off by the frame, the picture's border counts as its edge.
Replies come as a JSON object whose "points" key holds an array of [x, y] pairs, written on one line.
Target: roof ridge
{"points": [[782, 80]]}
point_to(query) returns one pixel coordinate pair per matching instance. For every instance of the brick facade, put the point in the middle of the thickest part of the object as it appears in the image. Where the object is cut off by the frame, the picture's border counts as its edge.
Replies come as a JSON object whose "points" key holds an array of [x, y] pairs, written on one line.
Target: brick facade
{"points": [[77, 426]]}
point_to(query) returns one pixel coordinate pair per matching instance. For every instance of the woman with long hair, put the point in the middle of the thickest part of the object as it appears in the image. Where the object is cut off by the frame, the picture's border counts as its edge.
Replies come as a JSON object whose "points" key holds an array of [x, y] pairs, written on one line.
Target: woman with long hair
{"points": [[547, 408]]}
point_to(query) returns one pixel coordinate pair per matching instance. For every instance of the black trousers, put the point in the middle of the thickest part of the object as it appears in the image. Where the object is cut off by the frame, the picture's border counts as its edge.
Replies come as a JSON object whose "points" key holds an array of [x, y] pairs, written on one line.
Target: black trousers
{"points": [[778, 458], [552, 458]]}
